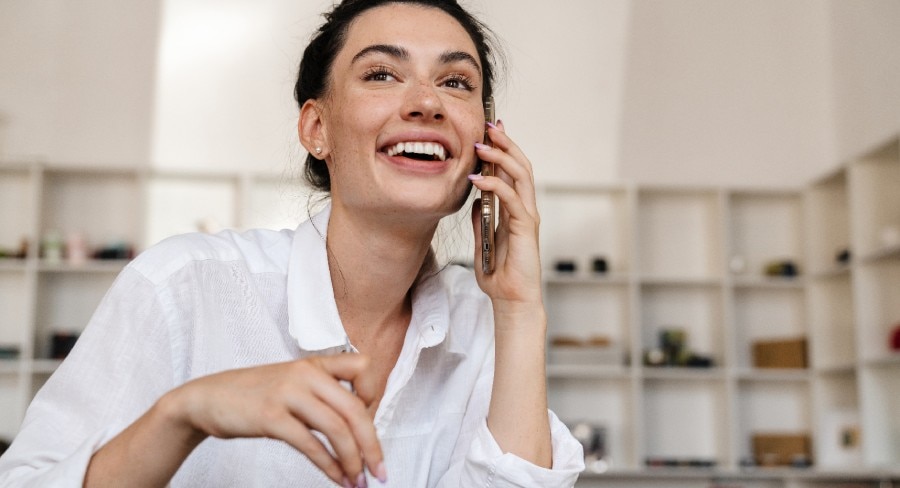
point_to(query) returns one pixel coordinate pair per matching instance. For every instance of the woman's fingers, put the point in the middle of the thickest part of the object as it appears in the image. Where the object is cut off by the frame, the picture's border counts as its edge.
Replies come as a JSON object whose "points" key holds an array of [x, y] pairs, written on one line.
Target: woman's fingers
{"points": [[300, 438], [514, 170]]}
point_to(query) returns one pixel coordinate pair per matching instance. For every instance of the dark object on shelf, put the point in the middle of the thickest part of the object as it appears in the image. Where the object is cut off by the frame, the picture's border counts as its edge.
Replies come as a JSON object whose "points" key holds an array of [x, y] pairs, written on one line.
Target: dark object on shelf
{"points": [[599, 265], [61, 344], [565, 266], [19, 253], [782, 449], [592, 438], [118, 250], [667, 462], [673, 342], [9, 351], [785, 269], [843, 256], [781, 353], [697, 361], [895, 338]]}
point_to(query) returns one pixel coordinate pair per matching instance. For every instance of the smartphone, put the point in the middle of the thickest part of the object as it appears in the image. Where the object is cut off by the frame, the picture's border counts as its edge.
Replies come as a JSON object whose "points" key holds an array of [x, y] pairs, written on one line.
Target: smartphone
{"points": [[489, 207]]}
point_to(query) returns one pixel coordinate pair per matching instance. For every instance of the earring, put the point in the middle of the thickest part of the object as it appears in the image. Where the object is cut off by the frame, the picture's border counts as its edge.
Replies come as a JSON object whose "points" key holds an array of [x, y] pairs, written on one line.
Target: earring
{"points": [[318, 150]]}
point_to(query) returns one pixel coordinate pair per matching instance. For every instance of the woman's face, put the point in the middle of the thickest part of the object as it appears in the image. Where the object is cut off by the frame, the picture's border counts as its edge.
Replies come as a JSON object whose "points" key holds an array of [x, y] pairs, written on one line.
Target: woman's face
{"points": [[403, 112]]}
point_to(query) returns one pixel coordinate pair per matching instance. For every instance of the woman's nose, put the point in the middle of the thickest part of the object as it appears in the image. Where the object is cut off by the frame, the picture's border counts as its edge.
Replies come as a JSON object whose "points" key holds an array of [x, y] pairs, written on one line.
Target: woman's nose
{"points": [[423, 103]]}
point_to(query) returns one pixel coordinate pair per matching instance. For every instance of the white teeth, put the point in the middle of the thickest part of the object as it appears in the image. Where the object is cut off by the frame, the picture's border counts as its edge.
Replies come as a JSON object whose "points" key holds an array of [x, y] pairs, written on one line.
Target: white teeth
{"points": [[427, 148]]}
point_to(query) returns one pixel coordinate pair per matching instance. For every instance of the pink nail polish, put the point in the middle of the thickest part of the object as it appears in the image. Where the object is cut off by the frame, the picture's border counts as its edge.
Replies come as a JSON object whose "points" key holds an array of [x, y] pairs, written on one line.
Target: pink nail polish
{"points": [[346, 483], [361, 481], [483, 147], [491, 125], [475, 177], [381, 472]]}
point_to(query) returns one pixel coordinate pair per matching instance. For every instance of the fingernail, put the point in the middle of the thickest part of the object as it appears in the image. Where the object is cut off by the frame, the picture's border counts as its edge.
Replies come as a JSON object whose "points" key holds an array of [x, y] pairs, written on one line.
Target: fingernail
{"points": [[483, 147], [361, 481], [381, 472], [346, 483], [500, 124], [491, 125], [475, 177]]}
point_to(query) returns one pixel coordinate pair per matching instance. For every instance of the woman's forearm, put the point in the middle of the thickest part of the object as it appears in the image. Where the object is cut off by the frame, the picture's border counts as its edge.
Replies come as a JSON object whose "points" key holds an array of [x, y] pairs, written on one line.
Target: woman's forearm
{"points": [[518, 411], [147, 453]]}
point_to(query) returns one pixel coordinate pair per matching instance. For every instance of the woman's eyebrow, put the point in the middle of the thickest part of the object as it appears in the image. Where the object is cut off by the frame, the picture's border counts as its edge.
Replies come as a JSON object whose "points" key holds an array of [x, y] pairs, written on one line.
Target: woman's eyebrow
{"points": [[393, 51], [454, 56], [402, 54]]}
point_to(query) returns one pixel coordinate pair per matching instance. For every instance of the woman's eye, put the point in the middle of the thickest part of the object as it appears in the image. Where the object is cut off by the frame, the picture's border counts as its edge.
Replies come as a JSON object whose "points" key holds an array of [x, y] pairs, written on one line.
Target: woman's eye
{"points": [[459, 82], [379, 74]]}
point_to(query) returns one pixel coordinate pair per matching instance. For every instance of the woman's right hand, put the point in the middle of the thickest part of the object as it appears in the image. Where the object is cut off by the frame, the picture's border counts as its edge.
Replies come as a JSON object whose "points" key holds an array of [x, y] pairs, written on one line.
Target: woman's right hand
{"points": [[287, 401]]}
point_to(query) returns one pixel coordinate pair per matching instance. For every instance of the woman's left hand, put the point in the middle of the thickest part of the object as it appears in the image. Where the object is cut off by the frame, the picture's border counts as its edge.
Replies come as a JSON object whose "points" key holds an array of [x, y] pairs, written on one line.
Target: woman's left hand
{"points": [[515, 284]]}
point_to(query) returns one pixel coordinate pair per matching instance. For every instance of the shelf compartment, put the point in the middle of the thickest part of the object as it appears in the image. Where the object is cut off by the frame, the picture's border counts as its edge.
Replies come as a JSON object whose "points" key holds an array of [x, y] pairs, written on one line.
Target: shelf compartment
{"points": [[685, 419], [11, 405], [765, 227], [758, 400], [16, 206], [273, 202], [583, 310], [874, 180], [838, 442], [178, 204], [14, 299], [764, 314], [73, 200], [606, 402], [66, 302], [880, 421], [828, 222], [580, 224], [877, 306], [679, 233], [831, 319], [698, 310]]}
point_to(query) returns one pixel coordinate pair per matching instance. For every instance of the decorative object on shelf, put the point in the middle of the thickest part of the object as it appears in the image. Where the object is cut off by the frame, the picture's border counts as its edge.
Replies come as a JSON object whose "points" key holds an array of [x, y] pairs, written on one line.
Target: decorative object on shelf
{"points": [[782, 449], [593, 441], [565, 266], [780, 353], [673, 462], [114, 250], [673, 351], [76, 249], [843, 256], [784, 268], [890, 236], [61, 344], [599, 265], [9, 351], [895, 338], [840, 439], [52, 247], [737, 264], [20, 253], [597, 350]]}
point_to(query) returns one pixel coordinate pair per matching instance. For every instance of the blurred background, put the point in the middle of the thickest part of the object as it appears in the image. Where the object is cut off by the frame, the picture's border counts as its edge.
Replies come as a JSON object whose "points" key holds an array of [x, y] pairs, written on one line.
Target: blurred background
{"points": [[718, 185]]}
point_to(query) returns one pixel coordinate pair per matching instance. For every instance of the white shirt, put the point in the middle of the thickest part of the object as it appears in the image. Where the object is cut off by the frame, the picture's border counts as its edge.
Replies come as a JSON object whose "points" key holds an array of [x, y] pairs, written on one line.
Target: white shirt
{"points": [[198, 304]]}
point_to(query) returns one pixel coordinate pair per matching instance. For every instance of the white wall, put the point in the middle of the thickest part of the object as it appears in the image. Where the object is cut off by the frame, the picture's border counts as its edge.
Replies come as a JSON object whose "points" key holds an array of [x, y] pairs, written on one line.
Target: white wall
{"points": [[866, 70], [77, 80], [726, 92], [226, 73], [696, 91]]}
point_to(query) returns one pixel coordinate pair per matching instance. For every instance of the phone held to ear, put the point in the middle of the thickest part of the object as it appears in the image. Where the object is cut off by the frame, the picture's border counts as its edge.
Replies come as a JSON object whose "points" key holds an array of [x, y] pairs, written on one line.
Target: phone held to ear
{"points": [[489, 208]]}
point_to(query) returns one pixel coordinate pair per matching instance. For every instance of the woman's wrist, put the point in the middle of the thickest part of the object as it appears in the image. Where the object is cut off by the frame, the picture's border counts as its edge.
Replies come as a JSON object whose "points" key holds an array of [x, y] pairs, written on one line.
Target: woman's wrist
{"points": [[173, 410]]}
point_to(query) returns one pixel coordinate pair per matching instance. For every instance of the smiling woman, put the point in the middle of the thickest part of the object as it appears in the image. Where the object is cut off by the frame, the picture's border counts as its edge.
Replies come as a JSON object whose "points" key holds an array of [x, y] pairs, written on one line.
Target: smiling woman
{"points": [[219, 360]]}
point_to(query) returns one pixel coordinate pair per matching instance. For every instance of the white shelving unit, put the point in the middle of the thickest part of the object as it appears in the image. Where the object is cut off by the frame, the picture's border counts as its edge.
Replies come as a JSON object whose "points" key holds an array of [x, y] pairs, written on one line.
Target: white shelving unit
{"points": [[688, 258], [105, 206], [694, 258]]}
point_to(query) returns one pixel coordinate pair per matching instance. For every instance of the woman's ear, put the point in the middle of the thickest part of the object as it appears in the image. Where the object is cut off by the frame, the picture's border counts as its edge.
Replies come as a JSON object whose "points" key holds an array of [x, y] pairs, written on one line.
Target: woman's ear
{"points": [[311, 129]]}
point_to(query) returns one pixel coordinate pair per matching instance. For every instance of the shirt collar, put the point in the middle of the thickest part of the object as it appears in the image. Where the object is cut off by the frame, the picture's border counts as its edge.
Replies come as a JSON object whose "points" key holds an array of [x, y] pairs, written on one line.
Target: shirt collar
{"points": [[313, 318]]}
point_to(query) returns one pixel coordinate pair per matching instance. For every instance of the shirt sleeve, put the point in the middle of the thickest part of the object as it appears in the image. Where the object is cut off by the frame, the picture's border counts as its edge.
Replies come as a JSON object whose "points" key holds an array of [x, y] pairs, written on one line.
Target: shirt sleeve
{"points": [[487, 465], [120, 366]]}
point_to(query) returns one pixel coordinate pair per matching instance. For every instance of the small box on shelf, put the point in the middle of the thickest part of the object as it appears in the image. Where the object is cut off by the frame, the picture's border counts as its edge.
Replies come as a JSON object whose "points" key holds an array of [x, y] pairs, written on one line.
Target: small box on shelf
{"points": [[782, 449], [780, 353]]}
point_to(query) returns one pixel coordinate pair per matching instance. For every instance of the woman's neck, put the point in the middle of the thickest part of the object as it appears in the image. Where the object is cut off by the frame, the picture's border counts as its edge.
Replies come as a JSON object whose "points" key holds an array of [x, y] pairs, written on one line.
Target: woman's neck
{"points": [[373, 268]]}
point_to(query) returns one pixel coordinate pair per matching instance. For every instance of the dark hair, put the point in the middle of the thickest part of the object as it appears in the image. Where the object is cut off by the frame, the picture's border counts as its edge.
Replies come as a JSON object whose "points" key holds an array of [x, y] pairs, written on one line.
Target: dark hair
{"points": [[313, 75]]}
